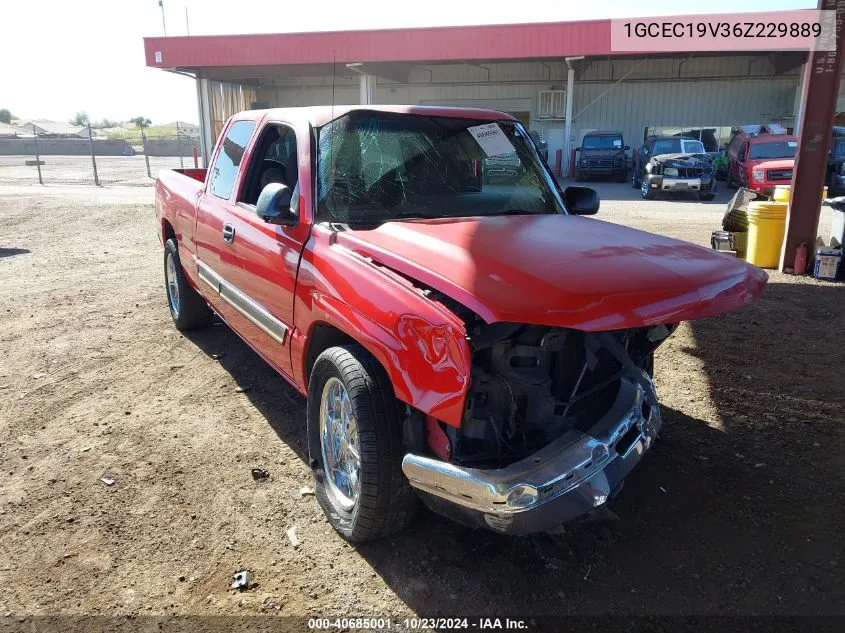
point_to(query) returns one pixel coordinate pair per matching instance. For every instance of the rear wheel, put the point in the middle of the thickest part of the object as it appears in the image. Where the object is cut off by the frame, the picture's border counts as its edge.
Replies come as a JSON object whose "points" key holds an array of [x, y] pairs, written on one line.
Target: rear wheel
{"points": [[187, 308], [647, 192], [635, 182], [355, 442], [706, 196]]}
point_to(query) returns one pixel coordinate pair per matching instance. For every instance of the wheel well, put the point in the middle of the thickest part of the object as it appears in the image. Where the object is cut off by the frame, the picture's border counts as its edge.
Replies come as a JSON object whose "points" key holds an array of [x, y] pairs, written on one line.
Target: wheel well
{"points": [[167, 231], [323, 337]]}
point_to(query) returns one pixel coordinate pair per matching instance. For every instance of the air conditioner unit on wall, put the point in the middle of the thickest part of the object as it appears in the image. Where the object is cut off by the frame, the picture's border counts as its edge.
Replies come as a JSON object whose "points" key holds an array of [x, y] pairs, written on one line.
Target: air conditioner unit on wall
{"points": [[551, 104]]}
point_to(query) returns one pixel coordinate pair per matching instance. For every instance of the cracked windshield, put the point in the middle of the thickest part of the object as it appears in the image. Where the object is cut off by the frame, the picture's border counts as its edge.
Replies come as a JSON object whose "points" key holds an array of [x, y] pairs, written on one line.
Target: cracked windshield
{"points": [[378, 167]]}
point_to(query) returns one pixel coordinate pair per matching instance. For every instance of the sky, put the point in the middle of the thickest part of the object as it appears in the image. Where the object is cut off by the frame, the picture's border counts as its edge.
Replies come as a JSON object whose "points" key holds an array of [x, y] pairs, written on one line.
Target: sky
{"points": [[60, 57]]}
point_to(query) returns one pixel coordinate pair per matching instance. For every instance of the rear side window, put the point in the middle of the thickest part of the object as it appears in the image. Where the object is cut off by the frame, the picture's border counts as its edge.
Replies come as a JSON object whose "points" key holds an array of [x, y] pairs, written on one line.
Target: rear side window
{"points": [[225, 168]]}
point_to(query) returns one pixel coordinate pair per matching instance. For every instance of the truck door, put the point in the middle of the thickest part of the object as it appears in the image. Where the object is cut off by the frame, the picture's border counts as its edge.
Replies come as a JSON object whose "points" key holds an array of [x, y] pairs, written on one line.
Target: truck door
{"points": [[260, 260], [212, 208]]}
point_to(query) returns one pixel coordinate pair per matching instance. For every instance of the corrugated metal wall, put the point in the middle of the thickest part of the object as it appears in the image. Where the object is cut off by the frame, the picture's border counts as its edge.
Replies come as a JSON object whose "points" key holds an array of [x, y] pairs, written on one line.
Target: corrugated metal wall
{"points": [[670, 92]]}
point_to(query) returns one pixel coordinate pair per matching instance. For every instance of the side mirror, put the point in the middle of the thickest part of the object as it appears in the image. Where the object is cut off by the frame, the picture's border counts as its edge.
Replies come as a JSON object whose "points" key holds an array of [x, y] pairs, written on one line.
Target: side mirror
{"points": [[581, 200], [627, 148], [578, 149], [273, 205]]}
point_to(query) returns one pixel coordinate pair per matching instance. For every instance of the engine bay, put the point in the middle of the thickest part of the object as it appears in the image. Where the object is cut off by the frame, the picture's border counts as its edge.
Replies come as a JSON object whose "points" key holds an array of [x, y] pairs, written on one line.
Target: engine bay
{"points": [[531, 383]]}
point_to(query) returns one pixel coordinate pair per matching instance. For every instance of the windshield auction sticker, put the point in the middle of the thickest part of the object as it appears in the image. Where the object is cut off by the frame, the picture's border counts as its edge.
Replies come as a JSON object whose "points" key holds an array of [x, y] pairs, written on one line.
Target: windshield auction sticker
{"points": [[803, 29], [491, 138]]}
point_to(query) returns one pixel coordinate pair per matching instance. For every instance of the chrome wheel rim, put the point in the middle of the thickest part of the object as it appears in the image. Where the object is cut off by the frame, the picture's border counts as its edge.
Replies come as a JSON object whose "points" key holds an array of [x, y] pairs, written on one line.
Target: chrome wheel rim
{"points": [[339, 444], [172, 285]]}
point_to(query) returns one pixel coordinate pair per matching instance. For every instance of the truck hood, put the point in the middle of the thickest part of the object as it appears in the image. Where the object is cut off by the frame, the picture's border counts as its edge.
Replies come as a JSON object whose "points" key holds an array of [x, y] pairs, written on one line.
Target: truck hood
{"points": [[682, 160], [562, 271], [780, 163]]}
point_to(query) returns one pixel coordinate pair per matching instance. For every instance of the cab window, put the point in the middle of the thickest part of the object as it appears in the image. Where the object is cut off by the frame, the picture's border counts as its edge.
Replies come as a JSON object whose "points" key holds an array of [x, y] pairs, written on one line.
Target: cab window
{"points": [[225, 168], [273, 161]]}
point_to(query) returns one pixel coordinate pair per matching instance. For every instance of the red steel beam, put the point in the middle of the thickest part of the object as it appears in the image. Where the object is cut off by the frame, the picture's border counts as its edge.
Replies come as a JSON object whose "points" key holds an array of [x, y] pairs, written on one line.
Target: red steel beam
{"points": [[820, 92]]}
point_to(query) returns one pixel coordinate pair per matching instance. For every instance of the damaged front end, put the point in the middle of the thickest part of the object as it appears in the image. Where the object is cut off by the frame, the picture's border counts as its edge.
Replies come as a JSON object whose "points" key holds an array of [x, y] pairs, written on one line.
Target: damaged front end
{"points": [[553, 421]]}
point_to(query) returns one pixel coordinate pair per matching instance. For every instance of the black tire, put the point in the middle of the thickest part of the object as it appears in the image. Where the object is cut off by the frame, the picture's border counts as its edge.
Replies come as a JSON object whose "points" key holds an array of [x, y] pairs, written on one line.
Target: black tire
{"points": [[385, 502], [635, 182], [732, 184], [646, 191], [706, 196], [189, 310], [579, 176]]}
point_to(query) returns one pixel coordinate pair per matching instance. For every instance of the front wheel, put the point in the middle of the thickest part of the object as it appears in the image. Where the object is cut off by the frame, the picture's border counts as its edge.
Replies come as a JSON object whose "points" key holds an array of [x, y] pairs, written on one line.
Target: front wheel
{"points": [[355, 443], [187, 308], [706, 196], [646, 191]]}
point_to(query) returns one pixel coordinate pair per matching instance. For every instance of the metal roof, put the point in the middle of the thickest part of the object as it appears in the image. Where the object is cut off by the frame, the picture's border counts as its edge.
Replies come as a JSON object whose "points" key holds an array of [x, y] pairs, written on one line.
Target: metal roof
{"points": [[548, 40]]}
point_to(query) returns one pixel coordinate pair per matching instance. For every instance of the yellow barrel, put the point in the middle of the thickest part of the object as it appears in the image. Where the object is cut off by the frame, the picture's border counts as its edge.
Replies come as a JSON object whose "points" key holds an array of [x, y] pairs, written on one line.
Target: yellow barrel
{"points": [[782, 193], [766, 226]]}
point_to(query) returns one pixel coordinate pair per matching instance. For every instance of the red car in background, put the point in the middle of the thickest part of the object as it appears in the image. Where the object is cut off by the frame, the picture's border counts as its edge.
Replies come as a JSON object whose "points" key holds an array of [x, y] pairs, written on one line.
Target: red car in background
{"points": [[760, 162]]}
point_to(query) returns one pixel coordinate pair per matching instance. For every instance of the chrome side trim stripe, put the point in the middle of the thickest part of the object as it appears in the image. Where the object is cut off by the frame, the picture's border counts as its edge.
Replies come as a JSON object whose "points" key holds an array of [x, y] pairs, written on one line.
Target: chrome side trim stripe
{"points": [[244, 304]]}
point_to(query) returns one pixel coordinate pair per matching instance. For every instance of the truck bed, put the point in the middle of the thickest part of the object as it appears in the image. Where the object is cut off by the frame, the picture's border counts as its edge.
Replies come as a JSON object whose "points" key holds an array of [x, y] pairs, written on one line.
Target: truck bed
{"points": [[177, 192]]}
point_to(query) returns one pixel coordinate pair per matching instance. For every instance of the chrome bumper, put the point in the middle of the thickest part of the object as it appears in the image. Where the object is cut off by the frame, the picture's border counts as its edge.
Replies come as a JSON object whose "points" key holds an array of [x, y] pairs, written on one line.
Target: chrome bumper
{"points": [[569, 477], [680, 184]]}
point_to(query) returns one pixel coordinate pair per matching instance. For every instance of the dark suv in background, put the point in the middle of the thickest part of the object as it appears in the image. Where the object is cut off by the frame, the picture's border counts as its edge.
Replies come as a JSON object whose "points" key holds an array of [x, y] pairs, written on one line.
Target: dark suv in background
{"points": [[673, 164], [602, 154]]}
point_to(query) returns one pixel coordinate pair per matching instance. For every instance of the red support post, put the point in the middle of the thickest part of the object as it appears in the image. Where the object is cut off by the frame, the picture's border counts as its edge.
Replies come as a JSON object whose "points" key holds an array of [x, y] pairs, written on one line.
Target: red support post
{"points": [[819, 95], [196, 158], [558, 169], [571, 173]]}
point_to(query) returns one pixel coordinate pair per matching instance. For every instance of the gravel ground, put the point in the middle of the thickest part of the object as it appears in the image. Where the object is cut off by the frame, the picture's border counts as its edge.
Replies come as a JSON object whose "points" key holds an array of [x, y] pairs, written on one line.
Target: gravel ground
{"points": [[127, 451], [78, 170]]}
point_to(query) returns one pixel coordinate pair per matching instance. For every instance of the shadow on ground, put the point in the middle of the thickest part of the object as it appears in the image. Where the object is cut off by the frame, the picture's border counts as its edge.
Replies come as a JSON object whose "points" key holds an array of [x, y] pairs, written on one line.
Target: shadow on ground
{"points": [[742, 519], [11, 252]]}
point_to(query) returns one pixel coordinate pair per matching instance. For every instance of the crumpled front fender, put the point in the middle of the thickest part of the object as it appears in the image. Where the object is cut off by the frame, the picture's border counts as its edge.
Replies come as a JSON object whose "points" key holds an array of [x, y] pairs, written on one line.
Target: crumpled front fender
{"points": [[421, 345]]}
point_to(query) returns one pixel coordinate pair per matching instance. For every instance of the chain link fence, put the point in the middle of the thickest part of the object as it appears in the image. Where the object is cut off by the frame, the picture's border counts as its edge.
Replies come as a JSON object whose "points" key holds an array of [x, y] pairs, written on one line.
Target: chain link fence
{"points": [[95, 157]]}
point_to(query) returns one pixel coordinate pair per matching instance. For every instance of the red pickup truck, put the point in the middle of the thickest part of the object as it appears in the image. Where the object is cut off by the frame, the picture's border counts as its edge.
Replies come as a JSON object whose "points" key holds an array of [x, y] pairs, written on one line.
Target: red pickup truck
{"points": [[469, 341]]}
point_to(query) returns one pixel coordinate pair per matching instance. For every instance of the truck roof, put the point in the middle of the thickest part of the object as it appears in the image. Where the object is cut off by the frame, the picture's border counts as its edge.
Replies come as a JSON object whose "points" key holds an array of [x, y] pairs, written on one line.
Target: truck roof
{"points": [[603, 133], [771, 138], [320, 115]]}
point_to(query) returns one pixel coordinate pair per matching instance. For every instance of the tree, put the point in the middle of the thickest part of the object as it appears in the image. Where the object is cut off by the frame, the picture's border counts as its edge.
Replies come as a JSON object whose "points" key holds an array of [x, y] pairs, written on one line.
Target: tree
{"points": [[141, 122], [105, 123], [80, 119], [5, 116]]}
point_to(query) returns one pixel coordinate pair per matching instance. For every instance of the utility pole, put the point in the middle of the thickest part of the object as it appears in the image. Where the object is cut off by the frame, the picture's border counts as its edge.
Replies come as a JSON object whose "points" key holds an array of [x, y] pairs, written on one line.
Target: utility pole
{"points": [[146, 152], [163, 24], [93, 156], [187, 23], [37, 157]]}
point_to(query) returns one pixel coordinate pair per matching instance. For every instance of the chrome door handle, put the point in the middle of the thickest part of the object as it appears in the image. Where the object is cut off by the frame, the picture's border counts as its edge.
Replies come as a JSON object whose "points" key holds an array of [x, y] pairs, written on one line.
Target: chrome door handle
{"points": [[228, 233]]}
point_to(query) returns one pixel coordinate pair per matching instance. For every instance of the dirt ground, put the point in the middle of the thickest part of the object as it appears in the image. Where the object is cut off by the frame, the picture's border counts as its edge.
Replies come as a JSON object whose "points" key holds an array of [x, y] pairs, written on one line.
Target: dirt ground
{"points": [[737, 509]]}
